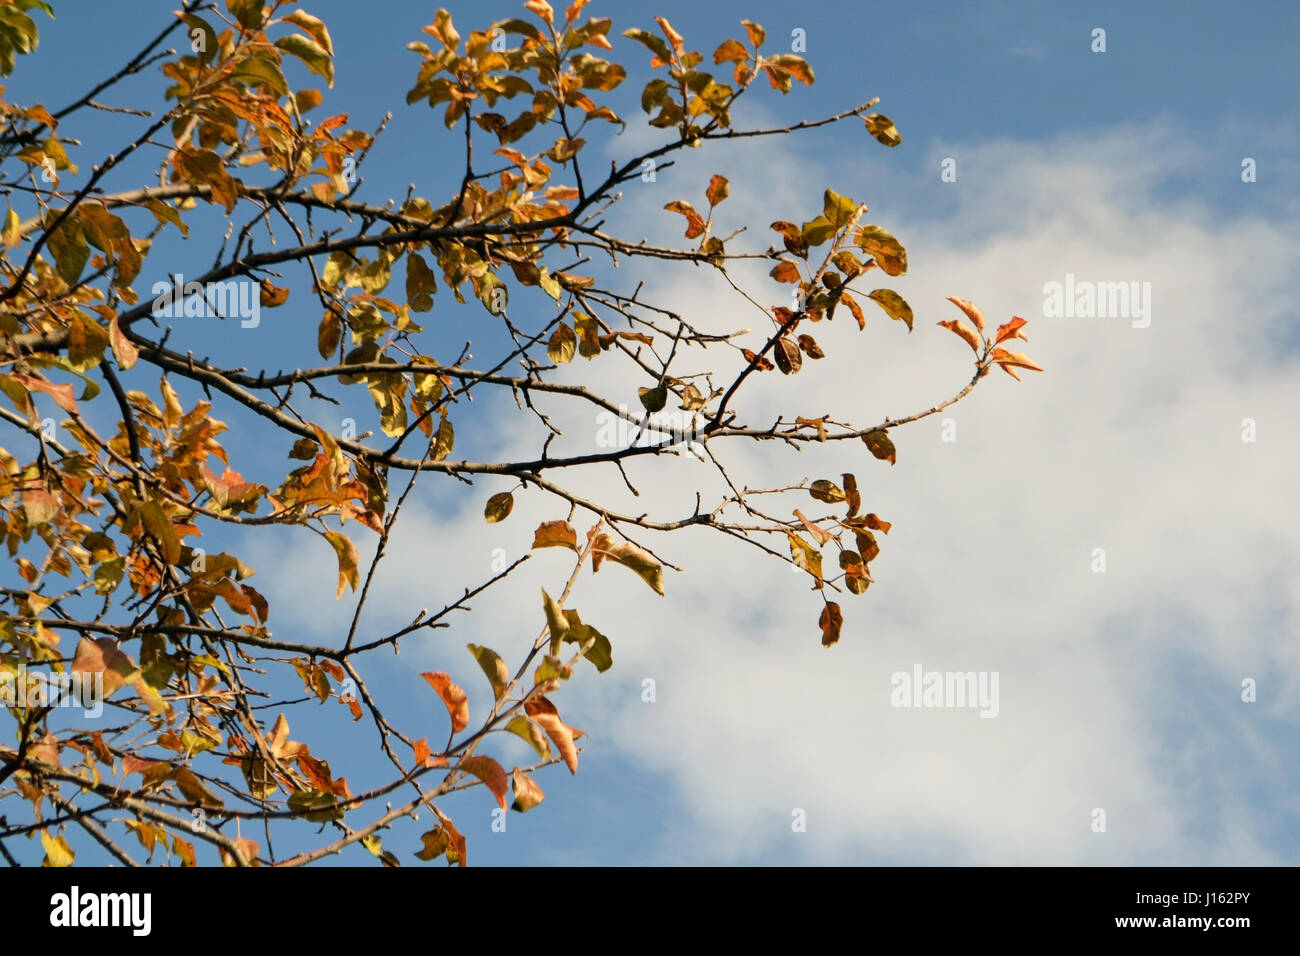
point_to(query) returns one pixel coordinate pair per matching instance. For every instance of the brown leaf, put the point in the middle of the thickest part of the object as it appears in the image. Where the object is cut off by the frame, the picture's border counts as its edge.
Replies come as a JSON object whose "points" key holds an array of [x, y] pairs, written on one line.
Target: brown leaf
{"points": [[490, 772], [787, 356], [810, 347], [785, 271], [830, 621], [719, 189], [851, 493]]}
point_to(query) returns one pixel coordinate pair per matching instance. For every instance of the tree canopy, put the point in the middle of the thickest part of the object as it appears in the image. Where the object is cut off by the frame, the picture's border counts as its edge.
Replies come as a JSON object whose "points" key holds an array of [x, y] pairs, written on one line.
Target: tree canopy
{"points": [[117, 460]]}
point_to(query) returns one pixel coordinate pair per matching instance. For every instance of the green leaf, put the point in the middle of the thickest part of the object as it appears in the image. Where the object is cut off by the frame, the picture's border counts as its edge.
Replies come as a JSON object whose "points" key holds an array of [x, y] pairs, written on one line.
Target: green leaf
{"points": [[556, 622], [311, 53], [653, 43], [600, 653], [838, 209]]}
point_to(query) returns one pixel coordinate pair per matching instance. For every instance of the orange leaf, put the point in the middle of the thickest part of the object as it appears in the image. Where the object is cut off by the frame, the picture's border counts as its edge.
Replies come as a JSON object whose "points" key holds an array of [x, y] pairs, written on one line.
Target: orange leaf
{"points": [[673, 36], [424, 757], [969, 337], [555, 534], [694, 221], [455, 699], [544, 714], [543, 10], [973, 312], [1011, 330], [1015, 359]]}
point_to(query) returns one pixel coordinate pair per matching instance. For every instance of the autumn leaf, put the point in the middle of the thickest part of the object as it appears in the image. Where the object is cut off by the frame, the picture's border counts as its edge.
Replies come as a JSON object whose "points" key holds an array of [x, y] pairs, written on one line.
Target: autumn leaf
{"points": [[967, 336], [881, 446], [972, 311], [348, 558], [498, 507], [851, 493], [1008, 361], [494, 668], [527, 793], [785, 271], [882, 128], [1011, 330], [877, 524], [639, 560], [823, 489], [894, 305], [490, 772], [563, 344], [694, 221], [555, 534], [453, 697], [820, 534], [543, 712], [719, 189], [830, 621]]}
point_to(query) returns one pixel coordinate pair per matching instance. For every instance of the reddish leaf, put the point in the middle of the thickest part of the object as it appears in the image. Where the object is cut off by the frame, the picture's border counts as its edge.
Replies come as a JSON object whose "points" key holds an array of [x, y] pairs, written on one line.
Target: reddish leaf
{"points": [[1011, 330]]}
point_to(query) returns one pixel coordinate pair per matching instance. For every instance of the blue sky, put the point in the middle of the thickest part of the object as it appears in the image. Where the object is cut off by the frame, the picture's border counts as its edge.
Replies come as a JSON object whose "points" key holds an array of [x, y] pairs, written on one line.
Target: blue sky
{"points": [[1121, 690]]}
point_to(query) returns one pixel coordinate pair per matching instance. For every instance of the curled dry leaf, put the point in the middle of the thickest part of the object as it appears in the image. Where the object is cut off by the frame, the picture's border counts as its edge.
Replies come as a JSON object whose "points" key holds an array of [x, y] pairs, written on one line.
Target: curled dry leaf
{"points": [[453, 697]]}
